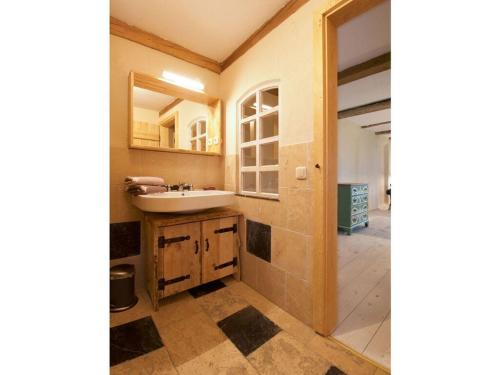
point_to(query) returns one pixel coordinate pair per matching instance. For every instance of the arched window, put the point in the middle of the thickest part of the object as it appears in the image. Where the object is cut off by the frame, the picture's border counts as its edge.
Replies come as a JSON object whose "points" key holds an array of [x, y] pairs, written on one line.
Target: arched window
{"points": [[258, 122], [198, 134]]}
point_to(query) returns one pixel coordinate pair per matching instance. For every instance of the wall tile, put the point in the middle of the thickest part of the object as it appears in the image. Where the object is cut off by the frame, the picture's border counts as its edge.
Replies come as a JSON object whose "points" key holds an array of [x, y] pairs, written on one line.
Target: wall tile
{"points": [[299, 212], [271, 282], [299, 299], [249, 269], [124, 162], [258, 240], [125, 239]]}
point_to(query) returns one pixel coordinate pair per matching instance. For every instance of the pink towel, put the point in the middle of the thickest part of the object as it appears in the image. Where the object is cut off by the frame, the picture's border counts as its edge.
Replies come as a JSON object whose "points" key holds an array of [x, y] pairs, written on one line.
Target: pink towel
{"points": [[144, 180], [145, 189]]}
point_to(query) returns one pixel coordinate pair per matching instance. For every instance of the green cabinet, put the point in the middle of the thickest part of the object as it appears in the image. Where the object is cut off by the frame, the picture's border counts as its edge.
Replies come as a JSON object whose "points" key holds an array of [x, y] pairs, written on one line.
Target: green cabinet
{"points": [[352, 206]]}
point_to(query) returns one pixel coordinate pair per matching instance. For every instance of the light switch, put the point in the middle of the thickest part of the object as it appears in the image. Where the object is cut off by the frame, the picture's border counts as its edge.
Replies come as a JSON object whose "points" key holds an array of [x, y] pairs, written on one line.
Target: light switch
{"points": [[216, 140], [209, 142], [300, 173]]}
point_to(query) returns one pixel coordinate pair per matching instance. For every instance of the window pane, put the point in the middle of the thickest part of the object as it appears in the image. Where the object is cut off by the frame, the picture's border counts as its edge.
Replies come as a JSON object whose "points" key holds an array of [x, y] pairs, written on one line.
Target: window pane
{"points": [[193, 130], [193, 145], [248, 156], [203, 142], [248, 131], [248, 107], [203, 127], [269, 99], [269, 125], [269, 154], [269, 182], [249, 181]]}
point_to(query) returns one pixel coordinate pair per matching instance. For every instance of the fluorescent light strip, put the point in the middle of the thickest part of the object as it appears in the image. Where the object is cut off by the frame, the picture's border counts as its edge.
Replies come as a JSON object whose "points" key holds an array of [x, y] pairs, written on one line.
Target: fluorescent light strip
{"points": [[182, 81]]}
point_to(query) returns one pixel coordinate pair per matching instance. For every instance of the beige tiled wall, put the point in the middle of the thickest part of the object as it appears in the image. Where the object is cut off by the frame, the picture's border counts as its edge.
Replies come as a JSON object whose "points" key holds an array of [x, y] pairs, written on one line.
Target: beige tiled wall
{"points": [[287, 279]]}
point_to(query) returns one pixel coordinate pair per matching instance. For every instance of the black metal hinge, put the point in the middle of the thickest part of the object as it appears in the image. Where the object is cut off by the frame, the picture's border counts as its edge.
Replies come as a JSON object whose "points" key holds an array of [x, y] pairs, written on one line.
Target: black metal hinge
{"points": [[162, 282], [233, 229], [162, 241], [233, 263]]}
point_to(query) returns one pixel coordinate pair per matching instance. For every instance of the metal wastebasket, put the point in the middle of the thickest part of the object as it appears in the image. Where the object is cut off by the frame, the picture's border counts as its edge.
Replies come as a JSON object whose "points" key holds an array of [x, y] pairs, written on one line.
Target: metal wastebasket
{"points": [[122, 289]]}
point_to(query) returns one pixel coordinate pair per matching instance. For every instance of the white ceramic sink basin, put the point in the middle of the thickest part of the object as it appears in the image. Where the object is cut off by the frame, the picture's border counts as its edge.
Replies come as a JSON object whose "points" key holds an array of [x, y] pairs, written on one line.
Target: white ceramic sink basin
{"points": [[184, 201]]}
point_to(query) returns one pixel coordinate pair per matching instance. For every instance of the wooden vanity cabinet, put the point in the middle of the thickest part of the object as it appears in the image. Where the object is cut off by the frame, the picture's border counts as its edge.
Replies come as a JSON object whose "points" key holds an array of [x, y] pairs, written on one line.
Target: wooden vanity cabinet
{"points": [[220, 238], [184, 251]]}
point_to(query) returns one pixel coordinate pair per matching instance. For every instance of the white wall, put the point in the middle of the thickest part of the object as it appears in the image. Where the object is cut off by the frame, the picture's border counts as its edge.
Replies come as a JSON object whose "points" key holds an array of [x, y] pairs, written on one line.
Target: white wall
{"points": [[146, 115], [363, 157]]}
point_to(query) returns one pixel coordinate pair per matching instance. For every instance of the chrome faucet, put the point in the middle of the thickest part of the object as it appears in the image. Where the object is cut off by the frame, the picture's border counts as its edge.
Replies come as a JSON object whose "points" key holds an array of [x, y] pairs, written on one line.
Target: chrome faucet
{"points": [[183, 186]]}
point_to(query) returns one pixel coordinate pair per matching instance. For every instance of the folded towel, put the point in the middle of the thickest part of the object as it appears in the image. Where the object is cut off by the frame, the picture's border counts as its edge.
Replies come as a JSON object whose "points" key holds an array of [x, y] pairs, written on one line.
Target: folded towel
{"points": [[145, 189], [144, 180]]}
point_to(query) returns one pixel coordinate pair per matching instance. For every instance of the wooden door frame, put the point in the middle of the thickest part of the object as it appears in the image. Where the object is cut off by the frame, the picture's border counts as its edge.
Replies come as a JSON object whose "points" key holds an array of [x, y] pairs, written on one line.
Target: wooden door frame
{"points": [[326, 21]]}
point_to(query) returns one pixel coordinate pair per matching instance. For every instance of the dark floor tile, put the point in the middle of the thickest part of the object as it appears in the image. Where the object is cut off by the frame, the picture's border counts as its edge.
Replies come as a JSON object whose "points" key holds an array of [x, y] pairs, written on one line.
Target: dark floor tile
{"points": [[248, 329], [335, 371], [259, 240], [133, 339], [203, 289]]}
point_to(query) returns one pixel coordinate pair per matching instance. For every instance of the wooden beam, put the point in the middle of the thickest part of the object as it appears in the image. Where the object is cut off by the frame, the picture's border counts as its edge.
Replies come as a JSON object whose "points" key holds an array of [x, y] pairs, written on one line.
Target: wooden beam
{"points": [[123, 30], [365, 108], [377, 124], [290, 8], [170, 106], [383, 132], [376, 65]]}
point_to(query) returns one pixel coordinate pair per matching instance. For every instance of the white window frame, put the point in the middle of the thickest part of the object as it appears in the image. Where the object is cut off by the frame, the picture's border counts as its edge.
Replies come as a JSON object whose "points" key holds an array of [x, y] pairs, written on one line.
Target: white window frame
{"points": [[199, 136], [258, 168]]}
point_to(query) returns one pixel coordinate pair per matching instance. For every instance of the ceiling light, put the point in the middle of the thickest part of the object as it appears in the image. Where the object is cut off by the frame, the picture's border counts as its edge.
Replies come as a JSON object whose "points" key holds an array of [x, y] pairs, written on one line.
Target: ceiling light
{"points": [[182, 81]]}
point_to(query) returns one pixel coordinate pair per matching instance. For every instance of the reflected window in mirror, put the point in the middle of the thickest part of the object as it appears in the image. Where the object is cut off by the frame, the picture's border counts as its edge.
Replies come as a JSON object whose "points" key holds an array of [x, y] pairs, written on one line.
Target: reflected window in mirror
{"points": [[198, 131], [259, 142]]}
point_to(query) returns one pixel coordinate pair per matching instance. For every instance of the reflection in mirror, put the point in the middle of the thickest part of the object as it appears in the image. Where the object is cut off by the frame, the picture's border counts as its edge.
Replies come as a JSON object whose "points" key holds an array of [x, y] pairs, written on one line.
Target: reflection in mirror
{"points": [[166, 118]]}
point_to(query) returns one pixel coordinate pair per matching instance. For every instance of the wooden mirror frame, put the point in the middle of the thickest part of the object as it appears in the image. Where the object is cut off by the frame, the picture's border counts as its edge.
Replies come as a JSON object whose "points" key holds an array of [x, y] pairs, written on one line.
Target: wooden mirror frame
{"points": [[158, 85]]}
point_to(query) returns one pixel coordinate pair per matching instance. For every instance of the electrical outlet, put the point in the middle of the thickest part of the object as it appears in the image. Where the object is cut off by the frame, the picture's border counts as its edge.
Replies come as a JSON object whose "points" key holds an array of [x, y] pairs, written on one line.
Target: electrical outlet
{"points": [[209, 141], [216, 140]]}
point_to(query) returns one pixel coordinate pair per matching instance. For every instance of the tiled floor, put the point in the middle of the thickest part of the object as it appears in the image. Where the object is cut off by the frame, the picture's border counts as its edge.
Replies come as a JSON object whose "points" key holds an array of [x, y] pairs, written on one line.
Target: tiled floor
{"points": [[229, 329], [364, 289]]}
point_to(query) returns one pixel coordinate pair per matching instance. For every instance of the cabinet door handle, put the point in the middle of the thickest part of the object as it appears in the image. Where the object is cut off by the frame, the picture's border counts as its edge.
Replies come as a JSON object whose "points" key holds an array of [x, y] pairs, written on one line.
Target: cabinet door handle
{"points": [[196, 247], [208, 244]]}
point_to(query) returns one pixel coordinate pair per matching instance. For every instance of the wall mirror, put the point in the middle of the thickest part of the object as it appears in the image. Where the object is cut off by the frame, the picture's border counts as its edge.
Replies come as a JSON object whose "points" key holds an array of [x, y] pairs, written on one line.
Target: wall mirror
{"points": [[166, 117]]}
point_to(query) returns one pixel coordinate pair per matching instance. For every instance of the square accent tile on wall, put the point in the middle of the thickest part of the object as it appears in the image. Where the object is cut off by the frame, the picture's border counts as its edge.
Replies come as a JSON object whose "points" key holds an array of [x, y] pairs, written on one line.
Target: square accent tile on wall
{"points": [[124, 239], [259, 240], [248, 329], [133, 339]]}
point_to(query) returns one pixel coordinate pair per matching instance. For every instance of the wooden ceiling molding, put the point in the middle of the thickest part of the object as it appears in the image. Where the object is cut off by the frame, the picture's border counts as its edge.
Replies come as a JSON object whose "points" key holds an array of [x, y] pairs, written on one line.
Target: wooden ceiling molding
{"points": [[290, 8], [365, 108], [376, 65], [134, 34], [170, 106], [377, 124]]}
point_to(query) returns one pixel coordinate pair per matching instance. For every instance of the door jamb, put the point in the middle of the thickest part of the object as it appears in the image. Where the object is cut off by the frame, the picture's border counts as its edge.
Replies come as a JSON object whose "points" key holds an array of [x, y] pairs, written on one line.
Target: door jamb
{"points": [[326, 21]]}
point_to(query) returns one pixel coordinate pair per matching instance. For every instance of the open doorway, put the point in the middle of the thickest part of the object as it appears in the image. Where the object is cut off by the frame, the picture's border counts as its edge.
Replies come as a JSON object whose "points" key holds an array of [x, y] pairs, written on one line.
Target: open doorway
{"points": [[352, 176], [363, 175]]}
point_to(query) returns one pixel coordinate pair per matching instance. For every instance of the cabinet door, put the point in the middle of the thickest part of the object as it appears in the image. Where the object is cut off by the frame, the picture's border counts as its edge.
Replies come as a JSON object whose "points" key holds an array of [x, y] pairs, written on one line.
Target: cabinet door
{"points": [[219, 248], [179, 261]]}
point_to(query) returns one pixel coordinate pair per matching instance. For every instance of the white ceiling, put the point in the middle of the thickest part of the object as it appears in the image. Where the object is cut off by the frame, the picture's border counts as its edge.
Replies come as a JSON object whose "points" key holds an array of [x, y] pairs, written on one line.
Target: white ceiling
{"points": [[365, 37], [150, 99], [212, 28], [361, 39], [365, 90]]}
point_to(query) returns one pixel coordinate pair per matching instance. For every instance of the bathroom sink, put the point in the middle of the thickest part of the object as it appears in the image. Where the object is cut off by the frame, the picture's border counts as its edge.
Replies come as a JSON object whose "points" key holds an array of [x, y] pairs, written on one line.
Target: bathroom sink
{"points": [[183, 201]]}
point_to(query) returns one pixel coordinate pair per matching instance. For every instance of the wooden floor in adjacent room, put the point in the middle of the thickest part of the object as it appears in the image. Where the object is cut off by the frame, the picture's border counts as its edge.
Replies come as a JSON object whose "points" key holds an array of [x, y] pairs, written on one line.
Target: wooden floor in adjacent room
{"points": [[364, 288]]}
